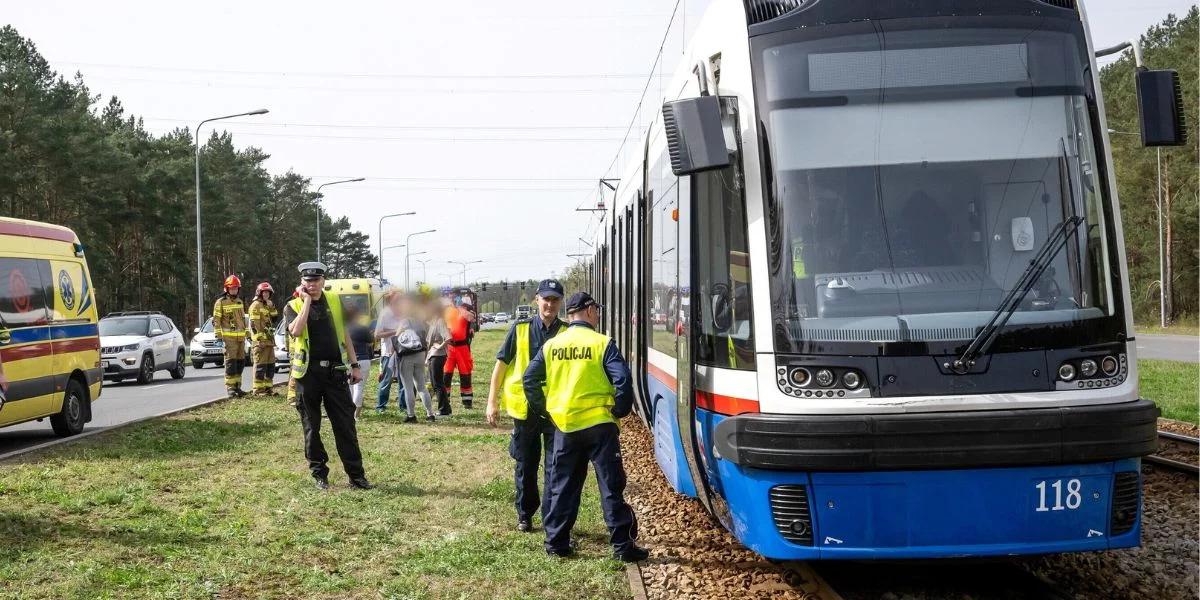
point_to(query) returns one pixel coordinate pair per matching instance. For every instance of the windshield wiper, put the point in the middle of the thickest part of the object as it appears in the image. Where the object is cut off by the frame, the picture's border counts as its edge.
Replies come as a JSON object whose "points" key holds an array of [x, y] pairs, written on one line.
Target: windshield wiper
{"points": [[1038, 265]]}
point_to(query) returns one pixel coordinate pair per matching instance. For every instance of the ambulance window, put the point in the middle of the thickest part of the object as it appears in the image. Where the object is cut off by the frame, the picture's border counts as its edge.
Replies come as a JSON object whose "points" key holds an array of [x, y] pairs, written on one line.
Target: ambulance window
{"points": [[23, 293]]}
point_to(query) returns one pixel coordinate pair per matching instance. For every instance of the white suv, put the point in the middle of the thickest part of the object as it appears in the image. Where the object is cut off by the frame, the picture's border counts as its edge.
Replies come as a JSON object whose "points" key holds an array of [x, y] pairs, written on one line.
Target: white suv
{"points": [[136, 344], [206, 348]]}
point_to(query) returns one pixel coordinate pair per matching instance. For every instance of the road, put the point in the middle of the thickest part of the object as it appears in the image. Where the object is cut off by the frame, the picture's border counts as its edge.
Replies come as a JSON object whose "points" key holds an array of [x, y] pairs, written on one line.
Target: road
{"points": [[127, 401], [1184, 348]]}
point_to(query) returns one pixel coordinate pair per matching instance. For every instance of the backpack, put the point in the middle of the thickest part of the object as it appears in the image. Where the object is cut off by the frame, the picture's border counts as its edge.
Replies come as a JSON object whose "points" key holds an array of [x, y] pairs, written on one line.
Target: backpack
{"points": [[409, 342]]}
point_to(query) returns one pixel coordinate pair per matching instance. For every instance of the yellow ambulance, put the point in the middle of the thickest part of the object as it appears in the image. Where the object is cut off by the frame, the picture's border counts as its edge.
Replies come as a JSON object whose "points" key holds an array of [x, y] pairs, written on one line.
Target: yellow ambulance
{"points": [[49, 337]]}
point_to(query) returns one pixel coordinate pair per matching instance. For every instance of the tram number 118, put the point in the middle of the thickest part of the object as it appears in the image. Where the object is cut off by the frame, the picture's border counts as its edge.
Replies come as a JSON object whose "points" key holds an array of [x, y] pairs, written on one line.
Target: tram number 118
{"points": [[1073, 498]]}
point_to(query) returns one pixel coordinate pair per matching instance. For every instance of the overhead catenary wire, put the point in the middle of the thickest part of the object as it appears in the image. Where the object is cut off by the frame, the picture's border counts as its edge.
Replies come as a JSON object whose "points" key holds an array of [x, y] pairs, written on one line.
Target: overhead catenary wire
{"points": [[352, 75]]}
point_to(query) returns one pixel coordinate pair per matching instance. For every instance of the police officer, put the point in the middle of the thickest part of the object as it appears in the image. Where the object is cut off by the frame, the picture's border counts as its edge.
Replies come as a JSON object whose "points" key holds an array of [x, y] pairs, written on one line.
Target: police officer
{"points": [[229, 325], [324, 365], [587, 389], [531, 432], [262, 337]]}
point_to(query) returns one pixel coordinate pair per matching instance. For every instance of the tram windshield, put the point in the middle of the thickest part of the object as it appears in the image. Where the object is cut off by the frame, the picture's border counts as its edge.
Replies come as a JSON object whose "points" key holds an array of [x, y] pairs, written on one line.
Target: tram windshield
{"points": [[914, 173]]}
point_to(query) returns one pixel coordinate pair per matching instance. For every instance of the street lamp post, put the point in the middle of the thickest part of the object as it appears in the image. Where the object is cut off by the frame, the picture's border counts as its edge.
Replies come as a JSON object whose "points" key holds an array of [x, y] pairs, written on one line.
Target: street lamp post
{"points": [[1162, 295], [464, 264], [381, 278], [199, 245], [407, 252], [424, 274], [319, 196], [380, 238]]}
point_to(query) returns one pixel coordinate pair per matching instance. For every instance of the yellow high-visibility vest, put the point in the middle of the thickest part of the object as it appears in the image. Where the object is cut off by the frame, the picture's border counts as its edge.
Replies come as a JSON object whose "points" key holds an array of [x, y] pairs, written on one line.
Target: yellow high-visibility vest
{"points": [[578, 392], [512, 389], [299, 345]]}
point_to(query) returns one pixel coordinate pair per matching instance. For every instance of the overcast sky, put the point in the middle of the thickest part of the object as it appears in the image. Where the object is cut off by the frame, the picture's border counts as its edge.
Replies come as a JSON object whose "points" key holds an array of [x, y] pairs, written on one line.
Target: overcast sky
{"points": [[491, 120]]}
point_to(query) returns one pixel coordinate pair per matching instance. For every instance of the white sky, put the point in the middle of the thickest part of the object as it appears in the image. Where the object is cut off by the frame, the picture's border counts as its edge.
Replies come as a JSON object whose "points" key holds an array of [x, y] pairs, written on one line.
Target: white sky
{"points": [[414, 96]]}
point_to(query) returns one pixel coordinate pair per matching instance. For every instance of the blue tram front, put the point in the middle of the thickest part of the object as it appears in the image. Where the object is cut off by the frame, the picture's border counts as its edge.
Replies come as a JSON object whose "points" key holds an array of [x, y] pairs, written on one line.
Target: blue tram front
{"points": [[869, 269]]}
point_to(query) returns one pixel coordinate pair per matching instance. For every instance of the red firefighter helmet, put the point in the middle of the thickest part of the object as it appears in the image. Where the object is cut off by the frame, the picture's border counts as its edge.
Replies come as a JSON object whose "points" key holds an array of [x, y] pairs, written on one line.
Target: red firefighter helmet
{"points": [[232, 282], [264, 287]]}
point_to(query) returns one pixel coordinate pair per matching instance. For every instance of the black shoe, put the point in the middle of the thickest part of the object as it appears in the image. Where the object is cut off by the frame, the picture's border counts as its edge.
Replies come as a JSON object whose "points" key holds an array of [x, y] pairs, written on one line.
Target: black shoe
{"points": [[410, 419], [466, 404], [430, 418], [361, 483], [632, 554], [321, 483], [567, 552], [524, 526]]}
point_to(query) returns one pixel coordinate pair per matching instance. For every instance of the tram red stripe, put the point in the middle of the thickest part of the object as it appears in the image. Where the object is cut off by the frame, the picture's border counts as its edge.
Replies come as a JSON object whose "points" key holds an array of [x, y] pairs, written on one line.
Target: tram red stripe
{"points": [[38, 231], [718, 403], [725, 405]]}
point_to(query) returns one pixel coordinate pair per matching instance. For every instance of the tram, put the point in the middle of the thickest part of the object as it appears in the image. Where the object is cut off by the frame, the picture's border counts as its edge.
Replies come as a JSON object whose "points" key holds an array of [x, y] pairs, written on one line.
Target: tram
{"points": [[868, 269]]}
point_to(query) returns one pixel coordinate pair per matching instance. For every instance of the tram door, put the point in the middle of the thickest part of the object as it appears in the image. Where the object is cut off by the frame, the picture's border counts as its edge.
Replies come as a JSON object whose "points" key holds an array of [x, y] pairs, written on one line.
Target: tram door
{"points": [[686, 365]]}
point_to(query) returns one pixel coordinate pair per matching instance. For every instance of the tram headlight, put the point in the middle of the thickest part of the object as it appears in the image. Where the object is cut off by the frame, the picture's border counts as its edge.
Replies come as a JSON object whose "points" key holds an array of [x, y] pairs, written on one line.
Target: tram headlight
{"points": [[851, 380], [1108, 364], [825, 378], [1087, 367], [1066, 372], [800, 377]]}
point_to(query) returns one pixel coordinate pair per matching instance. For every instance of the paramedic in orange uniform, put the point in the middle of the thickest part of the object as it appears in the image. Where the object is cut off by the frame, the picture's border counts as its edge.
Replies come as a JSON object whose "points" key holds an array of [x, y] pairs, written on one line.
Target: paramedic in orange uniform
{"points": [[458, 351]]}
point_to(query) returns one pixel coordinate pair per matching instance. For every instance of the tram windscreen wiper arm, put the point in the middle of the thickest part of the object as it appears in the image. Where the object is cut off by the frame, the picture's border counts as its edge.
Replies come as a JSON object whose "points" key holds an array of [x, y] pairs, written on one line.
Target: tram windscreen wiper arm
{"points": [[1038, 265]]}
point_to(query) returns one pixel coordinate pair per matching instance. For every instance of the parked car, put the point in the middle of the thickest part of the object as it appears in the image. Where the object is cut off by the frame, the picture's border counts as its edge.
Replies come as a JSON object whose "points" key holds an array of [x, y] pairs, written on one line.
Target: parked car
{"points": [[281, 345], [138, 344], [500, 318], [206, 348], [486, 318]]}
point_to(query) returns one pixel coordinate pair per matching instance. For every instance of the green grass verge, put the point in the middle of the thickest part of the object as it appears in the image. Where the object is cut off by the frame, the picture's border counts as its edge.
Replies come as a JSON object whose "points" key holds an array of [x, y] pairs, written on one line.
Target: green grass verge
{"points": [[218, 502], [1173, 386], [1187, 325]]}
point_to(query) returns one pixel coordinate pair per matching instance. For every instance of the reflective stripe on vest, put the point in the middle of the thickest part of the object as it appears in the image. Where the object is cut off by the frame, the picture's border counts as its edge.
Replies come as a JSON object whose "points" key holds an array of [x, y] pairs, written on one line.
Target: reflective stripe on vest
{"points": [[299, 345], [512, 390], [578, 392]]}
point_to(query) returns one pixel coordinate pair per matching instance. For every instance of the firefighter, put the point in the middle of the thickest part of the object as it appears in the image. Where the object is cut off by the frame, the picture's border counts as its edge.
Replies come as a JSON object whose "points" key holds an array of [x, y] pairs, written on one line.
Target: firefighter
{"points": [[262, 337], [229, 325]]}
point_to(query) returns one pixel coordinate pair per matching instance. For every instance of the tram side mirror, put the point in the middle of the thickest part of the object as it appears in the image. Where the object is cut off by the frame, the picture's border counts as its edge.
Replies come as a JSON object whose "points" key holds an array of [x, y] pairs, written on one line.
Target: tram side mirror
{"points": [[1160, 108], [722, 313], [695, 139]]}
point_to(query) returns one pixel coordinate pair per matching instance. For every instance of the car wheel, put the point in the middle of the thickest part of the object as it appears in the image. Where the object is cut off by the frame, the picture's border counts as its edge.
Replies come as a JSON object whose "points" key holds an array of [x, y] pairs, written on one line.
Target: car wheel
{"points": [[178, 371], [72, 418], [146, 374]]}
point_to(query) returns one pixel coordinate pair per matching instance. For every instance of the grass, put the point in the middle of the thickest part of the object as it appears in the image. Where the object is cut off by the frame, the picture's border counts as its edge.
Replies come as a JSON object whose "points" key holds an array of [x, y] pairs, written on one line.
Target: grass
{"points": [[1187, 325], [1173, 386], [218, 502]]}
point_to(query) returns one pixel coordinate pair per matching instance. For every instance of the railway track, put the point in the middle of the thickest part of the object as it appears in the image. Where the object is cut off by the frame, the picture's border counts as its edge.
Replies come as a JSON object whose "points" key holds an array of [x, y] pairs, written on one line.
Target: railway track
{"points": [[1177, 452]]}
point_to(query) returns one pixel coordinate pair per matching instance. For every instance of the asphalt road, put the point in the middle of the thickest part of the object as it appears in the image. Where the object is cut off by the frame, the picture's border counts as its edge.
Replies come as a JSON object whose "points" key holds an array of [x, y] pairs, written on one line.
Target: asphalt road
{"points": [[1184, 348], [127, 401]]}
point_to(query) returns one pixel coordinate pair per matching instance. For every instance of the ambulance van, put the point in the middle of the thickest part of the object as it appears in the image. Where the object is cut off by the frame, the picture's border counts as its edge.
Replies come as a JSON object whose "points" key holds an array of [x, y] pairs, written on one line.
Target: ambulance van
{"points": [[49, 338]]}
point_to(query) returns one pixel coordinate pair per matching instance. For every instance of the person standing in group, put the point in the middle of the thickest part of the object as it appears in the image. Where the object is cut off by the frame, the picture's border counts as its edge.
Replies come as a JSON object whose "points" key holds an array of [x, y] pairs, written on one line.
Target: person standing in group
{"points": [[229, 326], [435, 356], [587, 389], [385, 332], [458, 355], [531, 431], [262, 337], [324, 365], [410, 357], [362, 337]]}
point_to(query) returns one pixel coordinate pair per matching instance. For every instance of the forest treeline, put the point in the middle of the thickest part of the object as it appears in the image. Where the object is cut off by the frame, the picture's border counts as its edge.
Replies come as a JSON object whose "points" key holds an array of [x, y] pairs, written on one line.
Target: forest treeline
{"points": [[69, 158]]}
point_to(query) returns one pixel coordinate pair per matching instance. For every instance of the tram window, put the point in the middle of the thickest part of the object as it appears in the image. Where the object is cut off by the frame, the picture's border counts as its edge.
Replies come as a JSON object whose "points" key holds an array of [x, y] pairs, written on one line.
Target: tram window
{"points": [[724, 338], [664, 305]]}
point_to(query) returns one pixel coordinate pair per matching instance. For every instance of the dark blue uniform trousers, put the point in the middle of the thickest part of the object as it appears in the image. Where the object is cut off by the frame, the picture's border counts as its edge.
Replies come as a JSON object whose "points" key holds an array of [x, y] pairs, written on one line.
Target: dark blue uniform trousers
{"points": [[599, 445], [529, 437]]}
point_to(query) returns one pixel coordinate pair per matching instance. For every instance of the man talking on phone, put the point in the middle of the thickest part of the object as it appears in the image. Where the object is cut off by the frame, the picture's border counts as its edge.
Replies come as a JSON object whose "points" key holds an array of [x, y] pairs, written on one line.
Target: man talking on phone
{"points": [[324, 366]]}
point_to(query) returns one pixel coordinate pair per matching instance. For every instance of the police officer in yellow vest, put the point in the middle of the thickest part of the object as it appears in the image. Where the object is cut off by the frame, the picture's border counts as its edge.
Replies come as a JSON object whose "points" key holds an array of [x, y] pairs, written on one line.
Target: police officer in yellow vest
{"points": [[324, 366], [229, 326], [531, 432], [580, 379]]}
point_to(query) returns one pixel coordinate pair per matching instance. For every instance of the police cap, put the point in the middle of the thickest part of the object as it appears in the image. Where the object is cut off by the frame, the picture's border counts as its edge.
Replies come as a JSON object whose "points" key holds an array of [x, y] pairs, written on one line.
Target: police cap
{"points": [[580, 301], [550, 288], [311, 270]]}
